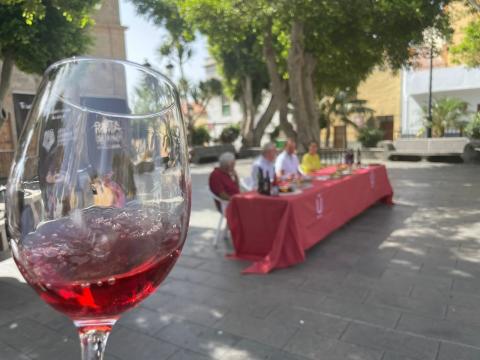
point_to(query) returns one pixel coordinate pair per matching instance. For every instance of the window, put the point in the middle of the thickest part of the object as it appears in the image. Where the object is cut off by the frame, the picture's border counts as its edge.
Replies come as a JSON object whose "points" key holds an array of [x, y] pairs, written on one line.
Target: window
{"points": [[225, 106]]}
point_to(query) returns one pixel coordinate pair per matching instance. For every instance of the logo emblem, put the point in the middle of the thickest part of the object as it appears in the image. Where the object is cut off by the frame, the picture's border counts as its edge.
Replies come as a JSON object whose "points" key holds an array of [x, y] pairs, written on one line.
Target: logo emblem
{"points": [[48, 139], [319, 205], [372, 180]]}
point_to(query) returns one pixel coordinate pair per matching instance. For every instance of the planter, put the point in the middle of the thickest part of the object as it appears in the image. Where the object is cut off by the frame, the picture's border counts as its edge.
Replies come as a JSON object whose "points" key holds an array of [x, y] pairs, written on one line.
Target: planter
{"points": [[202, 154], [471, 152]]}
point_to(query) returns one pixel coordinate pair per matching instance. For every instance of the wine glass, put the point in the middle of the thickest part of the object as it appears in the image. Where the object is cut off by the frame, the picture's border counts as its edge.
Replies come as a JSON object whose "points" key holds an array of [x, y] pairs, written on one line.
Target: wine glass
{"points": [[98, 197]]}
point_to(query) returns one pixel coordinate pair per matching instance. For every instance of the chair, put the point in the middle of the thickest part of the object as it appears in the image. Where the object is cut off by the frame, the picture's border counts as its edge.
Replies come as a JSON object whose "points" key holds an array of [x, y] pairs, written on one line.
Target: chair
{"points": [[300, 170], [223, 207], [246, 183]]}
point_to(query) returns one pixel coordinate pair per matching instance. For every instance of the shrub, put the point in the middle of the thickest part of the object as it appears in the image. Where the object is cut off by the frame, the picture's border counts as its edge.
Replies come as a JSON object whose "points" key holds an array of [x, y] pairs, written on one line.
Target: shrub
{"points": [[369, 136], [200, 135], [472, 130], [229, 134]]}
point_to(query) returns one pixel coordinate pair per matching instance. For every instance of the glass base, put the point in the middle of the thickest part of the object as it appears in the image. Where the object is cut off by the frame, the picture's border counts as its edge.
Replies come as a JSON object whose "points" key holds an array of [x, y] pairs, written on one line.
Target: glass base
{"points": [[93, 337]]}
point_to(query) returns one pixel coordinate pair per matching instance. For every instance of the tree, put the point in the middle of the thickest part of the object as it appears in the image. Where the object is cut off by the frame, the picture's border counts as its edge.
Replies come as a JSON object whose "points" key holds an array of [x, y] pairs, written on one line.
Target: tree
{"points": [[310, 48], [468, 50], [237, 51], [341, 105], [448, 113], [36, 33]]}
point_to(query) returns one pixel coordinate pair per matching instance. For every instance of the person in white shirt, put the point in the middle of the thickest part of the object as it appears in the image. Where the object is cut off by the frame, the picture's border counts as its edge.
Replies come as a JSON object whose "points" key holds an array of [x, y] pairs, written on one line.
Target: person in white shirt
{"points": [[287, 162], [265, 163]]}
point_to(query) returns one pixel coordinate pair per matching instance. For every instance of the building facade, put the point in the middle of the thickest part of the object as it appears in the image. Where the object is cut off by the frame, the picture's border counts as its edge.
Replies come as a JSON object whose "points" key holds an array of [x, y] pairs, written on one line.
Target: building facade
{"points": [[108, 42], [398, 98]]}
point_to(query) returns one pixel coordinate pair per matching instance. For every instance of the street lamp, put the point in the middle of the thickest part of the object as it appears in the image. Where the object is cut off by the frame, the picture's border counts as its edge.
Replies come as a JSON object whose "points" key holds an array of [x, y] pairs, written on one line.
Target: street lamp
{"points": [[433, 39]]}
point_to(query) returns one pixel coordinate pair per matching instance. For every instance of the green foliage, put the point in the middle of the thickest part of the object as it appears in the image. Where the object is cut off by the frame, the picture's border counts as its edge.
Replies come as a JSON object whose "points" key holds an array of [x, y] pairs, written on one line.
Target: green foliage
{"points": [[205, 90], [369, 136], [234, 43], [447, 113], [200, 135], [472, 130], [468, 50], [39, 32], [229, 134], [343, 39], [343, 104]]}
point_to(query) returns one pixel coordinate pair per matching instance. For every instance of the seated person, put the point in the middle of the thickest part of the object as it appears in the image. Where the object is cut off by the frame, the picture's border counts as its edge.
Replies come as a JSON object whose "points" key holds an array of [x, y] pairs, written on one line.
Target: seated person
{"points": [[223, 180], [311, 160], [265, 163], [287, 162]]}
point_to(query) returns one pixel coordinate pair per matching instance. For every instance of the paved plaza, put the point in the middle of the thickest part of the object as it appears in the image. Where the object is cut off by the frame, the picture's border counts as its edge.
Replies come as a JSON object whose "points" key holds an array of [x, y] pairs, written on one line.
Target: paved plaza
{"points": [[396, 283]]}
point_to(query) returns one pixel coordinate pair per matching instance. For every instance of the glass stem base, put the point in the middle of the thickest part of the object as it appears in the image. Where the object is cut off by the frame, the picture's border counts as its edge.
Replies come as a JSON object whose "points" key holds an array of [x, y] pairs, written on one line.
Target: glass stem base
{"points": [[93, 338]]}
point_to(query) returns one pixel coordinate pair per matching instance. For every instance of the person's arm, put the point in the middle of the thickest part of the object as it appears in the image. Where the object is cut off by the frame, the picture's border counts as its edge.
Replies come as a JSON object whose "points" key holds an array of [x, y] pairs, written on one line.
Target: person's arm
{"points": [[279, 166], [217, 188], [235, 178]]}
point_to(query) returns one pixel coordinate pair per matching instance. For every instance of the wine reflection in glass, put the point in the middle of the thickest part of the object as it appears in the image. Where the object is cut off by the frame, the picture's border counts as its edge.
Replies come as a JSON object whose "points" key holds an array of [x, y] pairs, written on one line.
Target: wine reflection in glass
{"points": [[98, 197]]}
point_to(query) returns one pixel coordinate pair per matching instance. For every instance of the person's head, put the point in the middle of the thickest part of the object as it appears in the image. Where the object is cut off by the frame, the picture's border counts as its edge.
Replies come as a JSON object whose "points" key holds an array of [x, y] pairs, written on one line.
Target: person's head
{"points": [[313, 148], [269, 151], [227, 161], [290, 146]]}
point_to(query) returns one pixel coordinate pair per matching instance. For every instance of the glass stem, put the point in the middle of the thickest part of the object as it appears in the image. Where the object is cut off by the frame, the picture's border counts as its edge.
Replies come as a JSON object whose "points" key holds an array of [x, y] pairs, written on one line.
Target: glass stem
{"points": [[93, 340]]}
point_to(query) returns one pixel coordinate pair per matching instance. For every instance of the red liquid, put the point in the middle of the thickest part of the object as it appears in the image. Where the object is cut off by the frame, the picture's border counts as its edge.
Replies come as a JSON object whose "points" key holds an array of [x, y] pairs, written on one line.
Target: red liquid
{"points": [[99, 262]]}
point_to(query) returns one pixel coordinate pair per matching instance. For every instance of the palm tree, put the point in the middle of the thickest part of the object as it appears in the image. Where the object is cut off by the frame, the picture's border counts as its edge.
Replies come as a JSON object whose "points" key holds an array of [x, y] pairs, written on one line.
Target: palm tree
{"points": [[447, 113], [341, 105]]}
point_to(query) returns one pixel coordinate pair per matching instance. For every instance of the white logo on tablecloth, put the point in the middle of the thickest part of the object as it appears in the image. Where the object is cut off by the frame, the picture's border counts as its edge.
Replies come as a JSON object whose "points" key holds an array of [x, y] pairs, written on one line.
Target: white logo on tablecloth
{"points": [[319, 205], [48, 139], [372, 179]]}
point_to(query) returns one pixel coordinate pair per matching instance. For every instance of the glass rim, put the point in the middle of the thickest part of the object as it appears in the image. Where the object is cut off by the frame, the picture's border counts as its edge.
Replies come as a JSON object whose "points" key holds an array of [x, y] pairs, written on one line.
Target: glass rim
{"points": [[151, 71]]}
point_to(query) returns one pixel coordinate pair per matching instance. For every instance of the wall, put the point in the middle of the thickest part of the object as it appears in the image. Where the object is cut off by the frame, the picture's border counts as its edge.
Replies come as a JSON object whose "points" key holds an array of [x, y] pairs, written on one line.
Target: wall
{"points": [[109, 41]]}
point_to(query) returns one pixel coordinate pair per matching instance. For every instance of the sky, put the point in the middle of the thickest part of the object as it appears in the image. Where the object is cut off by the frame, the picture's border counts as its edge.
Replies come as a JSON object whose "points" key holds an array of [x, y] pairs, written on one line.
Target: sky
{"points": [[143, 38]]}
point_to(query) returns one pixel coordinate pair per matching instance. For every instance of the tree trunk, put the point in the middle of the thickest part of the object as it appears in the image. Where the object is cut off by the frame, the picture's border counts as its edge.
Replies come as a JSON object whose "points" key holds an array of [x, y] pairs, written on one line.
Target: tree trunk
{"points": [[300, 70], [264, 120], [327, 135], [278, 86], [5, 77], [249, 111]]}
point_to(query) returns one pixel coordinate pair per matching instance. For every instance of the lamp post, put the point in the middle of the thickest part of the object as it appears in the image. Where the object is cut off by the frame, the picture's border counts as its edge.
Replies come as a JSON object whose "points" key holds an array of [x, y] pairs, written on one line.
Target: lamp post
{"points": [[429, 127]]}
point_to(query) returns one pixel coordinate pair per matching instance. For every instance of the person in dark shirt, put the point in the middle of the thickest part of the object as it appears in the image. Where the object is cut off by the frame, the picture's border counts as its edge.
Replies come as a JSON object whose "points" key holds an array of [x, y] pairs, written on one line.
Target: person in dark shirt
{"points": [[223, 180]]}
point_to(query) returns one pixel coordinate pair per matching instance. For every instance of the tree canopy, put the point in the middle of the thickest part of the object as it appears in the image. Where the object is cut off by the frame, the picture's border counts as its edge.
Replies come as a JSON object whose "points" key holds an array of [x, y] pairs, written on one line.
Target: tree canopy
{"points": [[36, 33], [309, 49]]}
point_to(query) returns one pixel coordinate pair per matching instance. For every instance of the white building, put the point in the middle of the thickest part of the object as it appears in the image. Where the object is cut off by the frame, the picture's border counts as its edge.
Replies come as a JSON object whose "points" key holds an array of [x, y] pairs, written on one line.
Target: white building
{"points": [[458, 82], [222, 111]]}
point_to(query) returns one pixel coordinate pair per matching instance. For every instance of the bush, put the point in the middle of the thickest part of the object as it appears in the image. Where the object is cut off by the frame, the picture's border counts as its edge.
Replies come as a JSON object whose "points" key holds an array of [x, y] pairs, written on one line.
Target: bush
{"points": [[472, 130], [200, 135], [229, 134], [369, 136]]}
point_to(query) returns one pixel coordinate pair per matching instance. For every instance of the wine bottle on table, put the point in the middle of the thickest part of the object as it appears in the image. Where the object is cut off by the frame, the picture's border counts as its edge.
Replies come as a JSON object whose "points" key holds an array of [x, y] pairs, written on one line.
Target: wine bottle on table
{"points": [[275, 190], [267, 185], [359, 158], [260, 181]]}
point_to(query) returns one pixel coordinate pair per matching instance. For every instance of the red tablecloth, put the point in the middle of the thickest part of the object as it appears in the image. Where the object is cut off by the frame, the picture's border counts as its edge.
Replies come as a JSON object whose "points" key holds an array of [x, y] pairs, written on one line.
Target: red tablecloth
{"points": [[274, 232]]}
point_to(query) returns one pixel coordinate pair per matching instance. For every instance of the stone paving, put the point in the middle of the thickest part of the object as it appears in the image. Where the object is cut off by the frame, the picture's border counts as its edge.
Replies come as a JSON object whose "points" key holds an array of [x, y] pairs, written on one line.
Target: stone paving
{"points": [[396, 283]]}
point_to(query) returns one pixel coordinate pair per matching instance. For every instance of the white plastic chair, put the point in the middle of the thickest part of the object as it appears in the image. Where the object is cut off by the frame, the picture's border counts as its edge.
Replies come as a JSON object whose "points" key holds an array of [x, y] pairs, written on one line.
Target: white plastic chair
{"points": [[221, 232], [246, 183], [300, 170]]}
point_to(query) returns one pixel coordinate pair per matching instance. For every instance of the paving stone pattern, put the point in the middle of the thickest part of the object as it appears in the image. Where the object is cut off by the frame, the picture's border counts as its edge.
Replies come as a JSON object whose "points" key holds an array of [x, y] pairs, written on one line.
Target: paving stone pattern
{"points": [[396, 283]]}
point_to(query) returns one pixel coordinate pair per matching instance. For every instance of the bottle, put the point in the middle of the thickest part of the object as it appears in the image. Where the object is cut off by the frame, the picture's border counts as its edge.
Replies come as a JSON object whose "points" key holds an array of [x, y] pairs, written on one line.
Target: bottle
{"points": [[260, 181], [275, 188], [267, 185], [359, 158]]}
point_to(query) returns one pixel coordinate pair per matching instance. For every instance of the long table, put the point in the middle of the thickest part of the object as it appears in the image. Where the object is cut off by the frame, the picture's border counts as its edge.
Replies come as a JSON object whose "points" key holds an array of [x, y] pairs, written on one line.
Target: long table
{"points": [[275, 232]]}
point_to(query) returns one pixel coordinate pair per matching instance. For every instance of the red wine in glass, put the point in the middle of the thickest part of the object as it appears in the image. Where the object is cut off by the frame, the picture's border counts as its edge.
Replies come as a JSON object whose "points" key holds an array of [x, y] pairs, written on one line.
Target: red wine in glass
{"points": [[92, 267]]}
